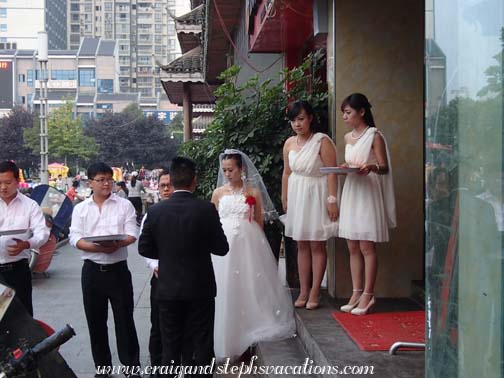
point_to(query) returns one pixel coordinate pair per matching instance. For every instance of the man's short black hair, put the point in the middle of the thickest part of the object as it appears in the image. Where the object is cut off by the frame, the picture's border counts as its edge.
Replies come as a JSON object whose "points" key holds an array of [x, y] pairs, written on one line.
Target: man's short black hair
{"points": [[182, 172], [9, 166], [164, 171], [97, 168]]}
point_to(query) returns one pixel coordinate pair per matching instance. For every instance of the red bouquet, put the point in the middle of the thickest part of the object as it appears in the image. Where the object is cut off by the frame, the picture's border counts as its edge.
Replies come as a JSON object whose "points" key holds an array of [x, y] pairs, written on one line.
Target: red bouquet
{"points": [[250, 201]]}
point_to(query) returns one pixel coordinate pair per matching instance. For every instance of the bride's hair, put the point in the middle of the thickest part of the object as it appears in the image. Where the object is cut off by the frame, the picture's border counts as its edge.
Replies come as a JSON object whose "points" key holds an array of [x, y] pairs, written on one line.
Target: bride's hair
{"points": [[235, 157]]}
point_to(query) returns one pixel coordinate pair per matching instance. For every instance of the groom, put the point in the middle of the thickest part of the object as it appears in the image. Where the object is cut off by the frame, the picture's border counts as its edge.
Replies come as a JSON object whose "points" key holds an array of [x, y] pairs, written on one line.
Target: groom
{"points": [[182, 232]]}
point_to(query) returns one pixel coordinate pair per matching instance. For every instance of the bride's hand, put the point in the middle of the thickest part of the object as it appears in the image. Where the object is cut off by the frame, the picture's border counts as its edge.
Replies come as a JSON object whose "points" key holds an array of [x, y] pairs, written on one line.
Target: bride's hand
{"points": [[284, 204]]}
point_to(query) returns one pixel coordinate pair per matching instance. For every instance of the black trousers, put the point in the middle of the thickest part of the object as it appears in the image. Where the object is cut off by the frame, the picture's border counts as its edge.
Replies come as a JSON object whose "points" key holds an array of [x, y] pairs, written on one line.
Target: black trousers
{"points": [[137, 204], [187, 332], [101, 284], [17, 275], [155, 345]]}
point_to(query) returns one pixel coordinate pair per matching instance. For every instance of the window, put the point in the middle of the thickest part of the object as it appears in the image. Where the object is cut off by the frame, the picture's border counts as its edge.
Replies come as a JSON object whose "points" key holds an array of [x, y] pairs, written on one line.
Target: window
{"points": [[21, 78], [145, 60], [74, 8], [105, 85], [3, 12], [158, 28], [108, 6], [86, 77], [74, 28], [104, 106], [22, 100], [63, 75], [3, 27], [146, 92]]}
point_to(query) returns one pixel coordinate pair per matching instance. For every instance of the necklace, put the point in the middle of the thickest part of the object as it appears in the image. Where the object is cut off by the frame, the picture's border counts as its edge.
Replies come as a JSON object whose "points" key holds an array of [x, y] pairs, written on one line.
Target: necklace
{"points": [[361, 134], [235, 191], [306, 141]]}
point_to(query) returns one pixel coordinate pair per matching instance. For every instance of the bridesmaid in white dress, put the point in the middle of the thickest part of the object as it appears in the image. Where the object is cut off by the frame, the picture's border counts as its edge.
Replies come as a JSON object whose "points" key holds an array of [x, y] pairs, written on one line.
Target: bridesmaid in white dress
{"points": [[309, 199], [251, 303], [367, 202]]}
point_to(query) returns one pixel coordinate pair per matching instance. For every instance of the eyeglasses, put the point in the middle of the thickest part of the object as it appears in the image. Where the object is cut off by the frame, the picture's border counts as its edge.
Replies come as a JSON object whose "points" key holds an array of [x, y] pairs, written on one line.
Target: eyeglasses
{"points": [[165, 186], [104, 181]]}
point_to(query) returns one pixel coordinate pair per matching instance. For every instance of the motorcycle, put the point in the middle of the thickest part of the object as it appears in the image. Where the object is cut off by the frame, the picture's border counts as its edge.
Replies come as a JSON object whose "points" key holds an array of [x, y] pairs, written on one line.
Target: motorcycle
{"points": [[57, 209], [25, 351]]}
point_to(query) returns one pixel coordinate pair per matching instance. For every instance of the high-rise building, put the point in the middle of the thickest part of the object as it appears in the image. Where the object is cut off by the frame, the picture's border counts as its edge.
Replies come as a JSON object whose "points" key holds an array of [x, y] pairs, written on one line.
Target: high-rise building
{"points": [[21, 20], [145, 33]]}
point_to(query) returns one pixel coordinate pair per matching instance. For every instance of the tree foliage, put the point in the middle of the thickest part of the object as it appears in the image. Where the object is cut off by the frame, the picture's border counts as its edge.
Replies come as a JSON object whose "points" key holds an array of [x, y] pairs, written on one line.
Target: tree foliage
{"points": [[129, 136], [12, 136], [66, 138]]}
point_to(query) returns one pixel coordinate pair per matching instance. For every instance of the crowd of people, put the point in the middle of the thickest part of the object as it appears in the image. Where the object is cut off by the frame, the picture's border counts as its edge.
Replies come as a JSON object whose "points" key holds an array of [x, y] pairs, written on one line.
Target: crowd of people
{"points": [[215, 290]]}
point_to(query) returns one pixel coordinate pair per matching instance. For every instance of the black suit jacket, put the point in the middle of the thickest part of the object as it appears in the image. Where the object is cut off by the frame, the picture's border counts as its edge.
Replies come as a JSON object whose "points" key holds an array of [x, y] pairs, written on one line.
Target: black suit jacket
{"points": [[182, 232]]}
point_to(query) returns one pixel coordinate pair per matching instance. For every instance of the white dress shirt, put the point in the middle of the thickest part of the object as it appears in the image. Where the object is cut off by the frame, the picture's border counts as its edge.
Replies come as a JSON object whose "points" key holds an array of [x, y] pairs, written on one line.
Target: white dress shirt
{"points": [[151, 263], [117, 216], [22, 213]]}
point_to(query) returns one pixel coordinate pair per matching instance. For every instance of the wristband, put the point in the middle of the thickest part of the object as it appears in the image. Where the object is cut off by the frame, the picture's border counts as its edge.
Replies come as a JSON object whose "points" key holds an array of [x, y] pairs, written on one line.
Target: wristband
{"points": [[332, 199]]}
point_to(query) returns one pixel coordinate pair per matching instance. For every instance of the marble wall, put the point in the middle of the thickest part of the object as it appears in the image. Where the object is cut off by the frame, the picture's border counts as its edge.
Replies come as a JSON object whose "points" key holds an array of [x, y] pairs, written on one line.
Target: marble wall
{"points": [[379, 51]]}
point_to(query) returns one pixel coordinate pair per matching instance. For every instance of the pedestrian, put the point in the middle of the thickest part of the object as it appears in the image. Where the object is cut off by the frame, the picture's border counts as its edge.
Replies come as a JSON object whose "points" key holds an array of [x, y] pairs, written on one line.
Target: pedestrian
{"points": [[155, 344], [105, 274], [135, 190], [309, 199], [121, 189], [73, 194], [22, 214], [367, 200], [182, 233]]}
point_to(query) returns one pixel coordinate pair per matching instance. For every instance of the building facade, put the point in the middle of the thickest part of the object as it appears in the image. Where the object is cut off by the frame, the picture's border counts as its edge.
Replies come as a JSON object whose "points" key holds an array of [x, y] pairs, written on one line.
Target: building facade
{"points": [[21, 20], [144, 31]]}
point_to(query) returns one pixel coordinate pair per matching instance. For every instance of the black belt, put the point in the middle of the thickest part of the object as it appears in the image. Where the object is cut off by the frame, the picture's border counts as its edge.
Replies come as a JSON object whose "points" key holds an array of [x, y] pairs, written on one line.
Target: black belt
{"points": [[106, 267], [8, 267]]}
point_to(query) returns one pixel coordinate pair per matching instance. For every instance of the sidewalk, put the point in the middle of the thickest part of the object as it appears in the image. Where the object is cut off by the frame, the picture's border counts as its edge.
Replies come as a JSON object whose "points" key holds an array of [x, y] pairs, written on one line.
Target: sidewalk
{"points": [[57, 300]]}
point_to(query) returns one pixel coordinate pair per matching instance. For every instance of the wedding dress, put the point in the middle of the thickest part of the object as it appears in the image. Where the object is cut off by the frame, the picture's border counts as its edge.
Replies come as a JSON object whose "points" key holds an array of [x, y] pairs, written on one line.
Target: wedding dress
{"points": [[251, 303]]}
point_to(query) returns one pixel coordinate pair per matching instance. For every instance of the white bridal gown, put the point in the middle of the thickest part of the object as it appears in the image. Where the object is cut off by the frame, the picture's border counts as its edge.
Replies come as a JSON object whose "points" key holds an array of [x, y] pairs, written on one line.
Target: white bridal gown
{"points": [[251, 303]]}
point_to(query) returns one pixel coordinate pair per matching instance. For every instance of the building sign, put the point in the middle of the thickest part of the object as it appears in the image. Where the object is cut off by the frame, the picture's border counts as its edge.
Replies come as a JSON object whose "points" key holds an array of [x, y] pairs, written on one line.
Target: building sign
{"points": [[163, 115], [6, 85], [59, 84]]}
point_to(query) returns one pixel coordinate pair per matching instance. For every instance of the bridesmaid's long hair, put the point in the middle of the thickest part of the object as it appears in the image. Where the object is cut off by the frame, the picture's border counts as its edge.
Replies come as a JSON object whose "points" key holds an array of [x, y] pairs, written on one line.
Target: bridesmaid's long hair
{"points": [[358, 101]]}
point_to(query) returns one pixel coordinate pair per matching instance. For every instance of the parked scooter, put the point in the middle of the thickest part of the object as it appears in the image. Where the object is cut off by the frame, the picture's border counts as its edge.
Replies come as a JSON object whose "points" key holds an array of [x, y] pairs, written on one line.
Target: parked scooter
{"points": [[25, 351], [57, 209]]}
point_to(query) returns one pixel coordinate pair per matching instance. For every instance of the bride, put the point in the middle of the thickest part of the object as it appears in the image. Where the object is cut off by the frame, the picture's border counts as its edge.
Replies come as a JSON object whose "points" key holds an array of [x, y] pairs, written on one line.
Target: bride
{"points": [[251, 303]]}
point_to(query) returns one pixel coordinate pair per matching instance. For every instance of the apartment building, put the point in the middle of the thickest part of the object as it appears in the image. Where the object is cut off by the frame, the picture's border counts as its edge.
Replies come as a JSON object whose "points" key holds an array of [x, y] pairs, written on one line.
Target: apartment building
{"points": [[89, 77], [21, 20], [145, 35]]}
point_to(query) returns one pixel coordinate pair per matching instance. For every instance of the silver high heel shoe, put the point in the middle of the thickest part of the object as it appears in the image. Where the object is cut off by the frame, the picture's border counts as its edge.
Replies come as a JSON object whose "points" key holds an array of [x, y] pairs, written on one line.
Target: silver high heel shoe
{"points": [[367, 309], [350, 306]]}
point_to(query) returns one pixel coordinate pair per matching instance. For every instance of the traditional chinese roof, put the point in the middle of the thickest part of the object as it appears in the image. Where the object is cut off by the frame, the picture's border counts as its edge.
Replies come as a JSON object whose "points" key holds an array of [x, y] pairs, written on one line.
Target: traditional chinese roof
{"points": [[189, 63], [194, 17]]}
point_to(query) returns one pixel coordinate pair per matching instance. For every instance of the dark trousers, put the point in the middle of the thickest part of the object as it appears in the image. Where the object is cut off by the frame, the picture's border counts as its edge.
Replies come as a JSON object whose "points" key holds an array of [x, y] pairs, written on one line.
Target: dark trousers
{"points": [[187, 332], [137, 204], [155, 345], [101, 284], [17, 275]]}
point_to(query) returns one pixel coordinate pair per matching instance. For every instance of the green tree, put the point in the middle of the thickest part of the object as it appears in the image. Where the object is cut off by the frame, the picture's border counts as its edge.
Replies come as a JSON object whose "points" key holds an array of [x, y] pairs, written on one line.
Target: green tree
{"points": [[129, 136], [494, 75], [13, 143], [65, 135]]}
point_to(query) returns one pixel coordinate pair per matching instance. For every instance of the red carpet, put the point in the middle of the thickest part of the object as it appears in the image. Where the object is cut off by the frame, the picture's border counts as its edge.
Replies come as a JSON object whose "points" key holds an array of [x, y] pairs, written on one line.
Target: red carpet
{"points": [[379, 331]]}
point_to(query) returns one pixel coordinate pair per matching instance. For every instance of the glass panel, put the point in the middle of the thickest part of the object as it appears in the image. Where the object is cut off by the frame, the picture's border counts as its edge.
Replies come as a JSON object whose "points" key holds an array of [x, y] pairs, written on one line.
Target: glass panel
{"points": [[464, 170]]}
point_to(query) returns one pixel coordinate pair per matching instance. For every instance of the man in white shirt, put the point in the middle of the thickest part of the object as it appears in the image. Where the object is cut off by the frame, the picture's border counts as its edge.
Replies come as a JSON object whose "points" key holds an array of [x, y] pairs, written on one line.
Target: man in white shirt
{"points": [[105, 273], [18, 212], [155, 345]]}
